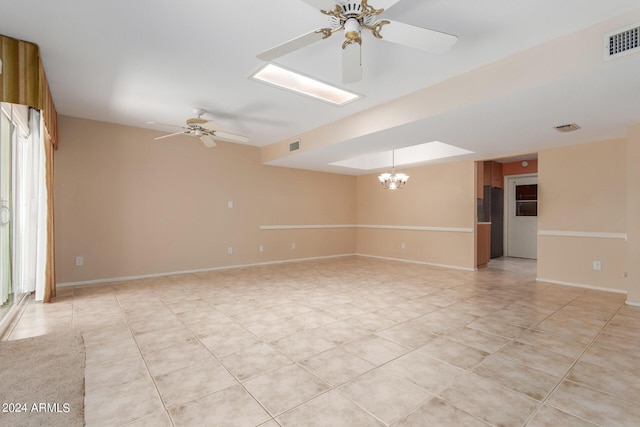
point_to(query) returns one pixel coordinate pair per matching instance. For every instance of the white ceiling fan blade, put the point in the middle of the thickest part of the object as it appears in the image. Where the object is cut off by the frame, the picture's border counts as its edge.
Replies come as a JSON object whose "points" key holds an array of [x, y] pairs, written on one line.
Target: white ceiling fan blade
{"points": [[351, 63], [170, 135], [290, 46], [230, 137], [417, 37], [208, 141], [211, 125], [383, 4], [322, 4]]}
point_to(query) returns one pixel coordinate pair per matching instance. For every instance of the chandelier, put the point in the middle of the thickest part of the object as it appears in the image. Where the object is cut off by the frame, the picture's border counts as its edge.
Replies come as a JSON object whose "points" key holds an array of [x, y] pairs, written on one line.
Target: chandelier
{"points": [[393, 180]]}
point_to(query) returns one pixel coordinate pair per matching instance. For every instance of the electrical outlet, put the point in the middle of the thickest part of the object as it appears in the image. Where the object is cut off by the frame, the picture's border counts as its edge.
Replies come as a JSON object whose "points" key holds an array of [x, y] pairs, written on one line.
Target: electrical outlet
{"points": [[230, 204], [293, 245], [403, 246], [597, 265], [79, 261], [261, 248], [229, 250]]}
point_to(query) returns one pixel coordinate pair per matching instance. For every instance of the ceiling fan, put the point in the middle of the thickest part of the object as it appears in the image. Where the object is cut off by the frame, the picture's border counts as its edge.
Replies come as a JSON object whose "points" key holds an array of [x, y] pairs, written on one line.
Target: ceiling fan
{"points": [[352, 16], [207, 131]]}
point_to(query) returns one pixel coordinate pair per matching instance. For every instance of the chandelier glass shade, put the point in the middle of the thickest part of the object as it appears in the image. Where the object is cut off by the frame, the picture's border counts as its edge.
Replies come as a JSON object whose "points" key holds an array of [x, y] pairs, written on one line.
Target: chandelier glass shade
{"points": [[393, 180]]}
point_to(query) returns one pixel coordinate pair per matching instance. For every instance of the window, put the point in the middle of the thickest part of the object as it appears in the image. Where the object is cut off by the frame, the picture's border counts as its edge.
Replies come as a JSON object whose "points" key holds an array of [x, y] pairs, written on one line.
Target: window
{"points": [[527, 200]]}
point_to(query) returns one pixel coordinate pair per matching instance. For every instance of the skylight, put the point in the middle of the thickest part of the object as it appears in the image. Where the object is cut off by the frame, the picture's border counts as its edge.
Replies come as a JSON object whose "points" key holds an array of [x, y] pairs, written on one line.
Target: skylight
{"points": [[403, 156], [283, 78]]}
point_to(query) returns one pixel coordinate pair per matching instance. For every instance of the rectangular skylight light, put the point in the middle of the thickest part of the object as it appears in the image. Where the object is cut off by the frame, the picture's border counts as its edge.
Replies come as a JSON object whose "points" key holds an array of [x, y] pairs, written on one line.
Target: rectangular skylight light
{"points": [[283, 78], [403, 156]]}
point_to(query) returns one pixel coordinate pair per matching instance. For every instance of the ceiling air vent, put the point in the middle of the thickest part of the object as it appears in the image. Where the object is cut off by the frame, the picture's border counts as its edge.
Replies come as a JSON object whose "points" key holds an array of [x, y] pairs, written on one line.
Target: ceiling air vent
{"points": [[567, 128], [294, 146], [622, 42]]}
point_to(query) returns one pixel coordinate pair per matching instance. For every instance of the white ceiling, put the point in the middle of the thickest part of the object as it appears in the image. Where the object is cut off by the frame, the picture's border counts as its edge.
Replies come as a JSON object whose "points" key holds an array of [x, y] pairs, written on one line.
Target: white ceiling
{"points": [[135, 61]]}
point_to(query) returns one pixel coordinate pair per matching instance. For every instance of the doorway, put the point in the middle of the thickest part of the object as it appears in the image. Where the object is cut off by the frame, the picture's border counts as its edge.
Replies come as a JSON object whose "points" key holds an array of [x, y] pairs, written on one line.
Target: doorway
{"points": [[521, 225]]}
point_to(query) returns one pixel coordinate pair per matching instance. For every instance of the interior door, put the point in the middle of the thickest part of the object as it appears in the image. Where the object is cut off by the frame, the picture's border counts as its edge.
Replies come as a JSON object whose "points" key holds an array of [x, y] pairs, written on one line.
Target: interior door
{"points": [[522, 217]]}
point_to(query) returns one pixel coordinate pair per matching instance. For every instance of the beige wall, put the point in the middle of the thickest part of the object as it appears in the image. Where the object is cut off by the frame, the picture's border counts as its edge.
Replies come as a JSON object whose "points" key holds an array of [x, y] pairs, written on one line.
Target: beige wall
{"points": [[134, 206], [437, 198], [633, 215], [583, 214]]}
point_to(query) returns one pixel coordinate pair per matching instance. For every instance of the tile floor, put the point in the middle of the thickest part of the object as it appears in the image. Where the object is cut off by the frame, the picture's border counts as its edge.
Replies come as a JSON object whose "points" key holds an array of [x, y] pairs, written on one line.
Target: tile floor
{"points": [[351, 342]]}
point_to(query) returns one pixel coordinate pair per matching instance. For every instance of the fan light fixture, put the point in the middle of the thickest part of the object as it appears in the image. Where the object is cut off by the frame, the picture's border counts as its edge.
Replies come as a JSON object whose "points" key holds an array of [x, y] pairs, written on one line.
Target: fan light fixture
{"points": [[393, 180]]}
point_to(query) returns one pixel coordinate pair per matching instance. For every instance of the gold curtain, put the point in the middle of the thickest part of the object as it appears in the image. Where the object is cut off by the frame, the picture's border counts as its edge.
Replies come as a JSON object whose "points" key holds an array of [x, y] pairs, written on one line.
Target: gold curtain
{"points": [[23, 81], [50, 272]]}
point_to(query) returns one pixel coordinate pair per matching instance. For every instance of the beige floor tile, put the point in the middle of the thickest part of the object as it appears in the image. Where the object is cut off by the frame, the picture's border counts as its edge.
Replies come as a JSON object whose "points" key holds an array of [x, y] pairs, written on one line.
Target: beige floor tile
{"points": [[107, 375], [554, 343], [594, 406], [407, 334], [285, 388], [398, 314], [386, 396], [312, 319], [438, 413], [302, 345], [548, 416], [176, 357], [423, 371], [623, 331], [627, 321], [375, 350], [488, 401], [497, 328], [115, 405], [253, 361], [230, 407], [517, 376], [517, 317], [328, 409], [218, 326], [182, 320], [229, 342], [110, 351], [155, 340], [617, 344], [273, 331], [88, 322], [156, 321], [106, 333], [444, 321], [192, 382], [370, 322], [336, 366], [613, 352], [158, 419], [574, 330], [484, 341], [339, 332], [543, 360], [453, 352], [629, 310], [624, 385]]}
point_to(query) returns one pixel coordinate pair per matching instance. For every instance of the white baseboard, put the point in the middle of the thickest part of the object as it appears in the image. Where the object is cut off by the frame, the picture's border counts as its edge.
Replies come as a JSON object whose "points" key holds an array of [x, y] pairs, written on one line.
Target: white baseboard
{"points": [[431, 264], [202, 270], [580, 285], [633, 303]]}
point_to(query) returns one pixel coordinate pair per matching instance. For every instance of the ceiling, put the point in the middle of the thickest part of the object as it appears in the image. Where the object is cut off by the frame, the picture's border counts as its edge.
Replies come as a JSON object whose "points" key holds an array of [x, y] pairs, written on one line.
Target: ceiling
{"points": [[133, 62]]}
